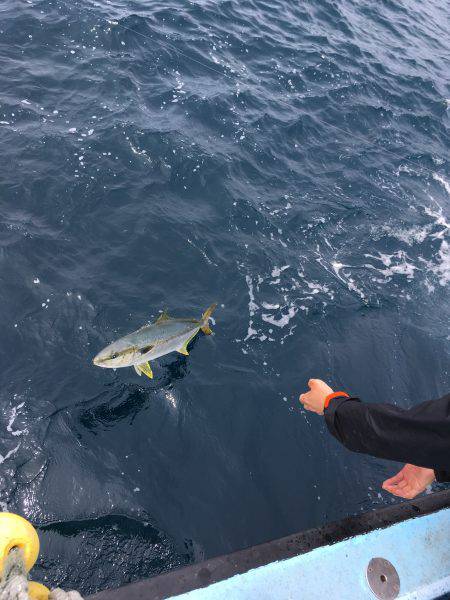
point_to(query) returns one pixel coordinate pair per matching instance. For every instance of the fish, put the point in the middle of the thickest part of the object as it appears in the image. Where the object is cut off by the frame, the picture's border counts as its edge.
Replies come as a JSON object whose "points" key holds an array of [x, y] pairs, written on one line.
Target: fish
{"points": [[152, 341]]}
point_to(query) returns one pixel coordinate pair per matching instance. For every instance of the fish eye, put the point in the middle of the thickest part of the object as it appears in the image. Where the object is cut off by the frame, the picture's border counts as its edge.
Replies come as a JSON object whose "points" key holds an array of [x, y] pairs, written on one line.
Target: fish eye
{"points": [[145, 349], [113, 356]]}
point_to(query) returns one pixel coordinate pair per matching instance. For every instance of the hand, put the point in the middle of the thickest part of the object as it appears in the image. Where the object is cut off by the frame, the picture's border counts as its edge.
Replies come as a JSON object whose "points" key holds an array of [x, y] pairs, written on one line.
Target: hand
{"points": [[409, 482], [314, 400]]}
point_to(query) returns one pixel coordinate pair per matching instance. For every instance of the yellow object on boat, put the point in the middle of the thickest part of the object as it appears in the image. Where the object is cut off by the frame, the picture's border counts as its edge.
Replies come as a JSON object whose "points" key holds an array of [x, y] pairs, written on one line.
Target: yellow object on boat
{"points": [[16, 532], [37, 591]]}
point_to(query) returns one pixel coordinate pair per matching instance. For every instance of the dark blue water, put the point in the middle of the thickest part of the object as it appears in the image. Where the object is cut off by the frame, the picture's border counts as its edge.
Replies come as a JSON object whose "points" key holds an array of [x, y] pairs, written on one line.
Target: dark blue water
{"points": [[288, 160]]}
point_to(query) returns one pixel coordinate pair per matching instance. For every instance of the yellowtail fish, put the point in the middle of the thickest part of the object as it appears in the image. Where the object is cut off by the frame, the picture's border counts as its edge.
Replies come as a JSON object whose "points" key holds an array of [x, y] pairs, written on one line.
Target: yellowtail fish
{"points": [[152, 341]]}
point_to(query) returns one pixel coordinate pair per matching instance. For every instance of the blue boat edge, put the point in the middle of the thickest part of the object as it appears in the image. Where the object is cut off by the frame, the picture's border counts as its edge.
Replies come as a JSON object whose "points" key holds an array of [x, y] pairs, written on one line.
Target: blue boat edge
{"points": [[412, 535]]}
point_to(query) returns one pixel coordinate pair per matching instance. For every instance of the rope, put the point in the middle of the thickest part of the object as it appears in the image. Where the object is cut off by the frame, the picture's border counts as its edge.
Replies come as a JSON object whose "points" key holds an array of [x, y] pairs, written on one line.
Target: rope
{"points": [[14, 583], [15, 588], [58, 594]]}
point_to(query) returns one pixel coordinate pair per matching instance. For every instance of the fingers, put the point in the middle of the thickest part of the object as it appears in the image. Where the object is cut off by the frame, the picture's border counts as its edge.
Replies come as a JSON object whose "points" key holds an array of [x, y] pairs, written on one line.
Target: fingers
{"points": [[403, 490], [313, 382], [396, 479], [401, 485], [304, 398], [407, 492]]}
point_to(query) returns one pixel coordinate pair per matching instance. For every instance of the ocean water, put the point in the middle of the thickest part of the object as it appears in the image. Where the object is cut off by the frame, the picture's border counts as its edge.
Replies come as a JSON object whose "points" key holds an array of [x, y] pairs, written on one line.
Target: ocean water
{"points": [[288, 160]]}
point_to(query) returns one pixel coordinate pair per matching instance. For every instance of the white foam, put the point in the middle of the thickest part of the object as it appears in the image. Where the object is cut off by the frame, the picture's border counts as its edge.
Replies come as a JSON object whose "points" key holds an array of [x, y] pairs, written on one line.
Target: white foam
{"points": [[443, 182], [202, 252], [142, 153], [171, 399], [345, 279], [404, 169], [354, 288], [410, 235], [9, 454], [337, 266], [397, 263], [14, 414], [442, 268], [430, 287], [317, 287], [439, 220], [268, 306], [250, 332], [386, 259], [283, 320], [401, 269], [252, 306], [276, 271]]}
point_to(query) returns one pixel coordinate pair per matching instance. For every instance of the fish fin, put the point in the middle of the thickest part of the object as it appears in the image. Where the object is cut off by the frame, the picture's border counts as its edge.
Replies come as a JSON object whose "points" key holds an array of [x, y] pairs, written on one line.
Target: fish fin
{"points": [[206, 329], [183, 349], [146, 369], [136, 368], [164, 316], [205, 318]]}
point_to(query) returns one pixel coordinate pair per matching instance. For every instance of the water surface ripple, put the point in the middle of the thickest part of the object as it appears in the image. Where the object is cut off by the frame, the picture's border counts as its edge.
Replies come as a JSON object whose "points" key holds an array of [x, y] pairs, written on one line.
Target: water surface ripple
{"points": [[286, 159]]}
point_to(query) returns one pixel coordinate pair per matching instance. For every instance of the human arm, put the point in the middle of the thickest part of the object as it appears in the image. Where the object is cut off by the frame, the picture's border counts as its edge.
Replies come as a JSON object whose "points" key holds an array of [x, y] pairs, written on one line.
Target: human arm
{"points": [[419, 435]]}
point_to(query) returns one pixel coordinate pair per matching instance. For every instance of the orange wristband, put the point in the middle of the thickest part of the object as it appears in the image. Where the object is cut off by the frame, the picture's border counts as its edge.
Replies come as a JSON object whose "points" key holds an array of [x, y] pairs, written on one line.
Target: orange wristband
{"points": [[334, 395]]}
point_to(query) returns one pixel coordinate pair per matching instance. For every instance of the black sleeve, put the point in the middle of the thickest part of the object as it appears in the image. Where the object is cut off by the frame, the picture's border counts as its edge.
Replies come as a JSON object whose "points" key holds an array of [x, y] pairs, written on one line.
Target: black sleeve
{"points": [[419, 435]]}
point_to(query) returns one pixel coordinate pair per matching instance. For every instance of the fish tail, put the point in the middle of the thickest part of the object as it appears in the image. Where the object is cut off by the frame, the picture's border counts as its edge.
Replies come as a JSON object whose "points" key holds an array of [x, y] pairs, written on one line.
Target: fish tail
{"points": [[205, 318]]}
